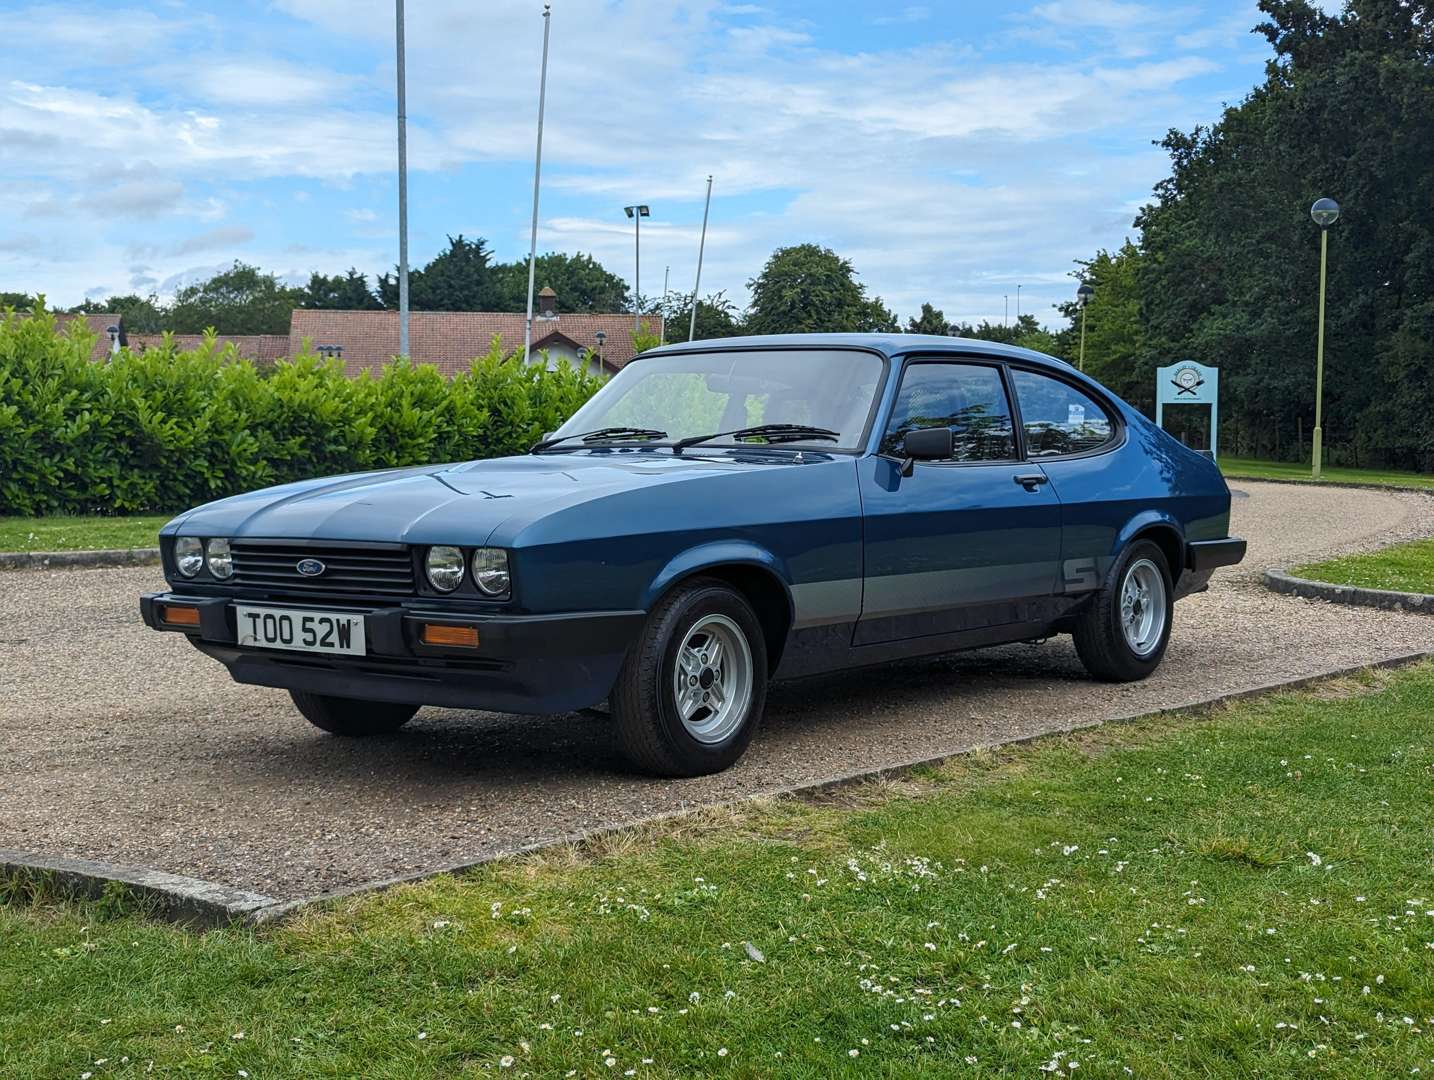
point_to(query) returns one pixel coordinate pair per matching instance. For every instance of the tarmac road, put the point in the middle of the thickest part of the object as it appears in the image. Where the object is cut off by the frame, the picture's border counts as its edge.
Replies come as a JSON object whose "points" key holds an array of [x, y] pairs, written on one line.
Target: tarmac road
{"points": [[125, 746]]}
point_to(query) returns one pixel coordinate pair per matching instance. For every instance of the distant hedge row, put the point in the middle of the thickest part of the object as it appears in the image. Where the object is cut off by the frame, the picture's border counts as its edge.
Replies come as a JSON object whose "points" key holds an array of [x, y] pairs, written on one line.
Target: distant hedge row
{"points": [[167, 429]]}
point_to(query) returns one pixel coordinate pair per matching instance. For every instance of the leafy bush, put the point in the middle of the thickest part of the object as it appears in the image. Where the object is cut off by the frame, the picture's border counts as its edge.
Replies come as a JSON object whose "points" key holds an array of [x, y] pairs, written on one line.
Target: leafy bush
{"points": [[168, 428]]}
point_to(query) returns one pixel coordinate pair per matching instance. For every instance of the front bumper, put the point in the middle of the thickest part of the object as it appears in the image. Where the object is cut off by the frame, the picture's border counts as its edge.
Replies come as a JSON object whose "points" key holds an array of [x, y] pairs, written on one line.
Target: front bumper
{"points": [[523, 663]]}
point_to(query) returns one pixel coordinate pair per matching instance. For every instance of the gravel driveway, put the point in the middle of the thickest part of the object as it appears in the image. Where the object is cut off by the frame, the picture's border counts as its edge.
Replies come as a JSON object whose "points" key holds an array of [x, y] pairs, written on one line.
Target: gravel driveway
{"points": [[126, 746]]}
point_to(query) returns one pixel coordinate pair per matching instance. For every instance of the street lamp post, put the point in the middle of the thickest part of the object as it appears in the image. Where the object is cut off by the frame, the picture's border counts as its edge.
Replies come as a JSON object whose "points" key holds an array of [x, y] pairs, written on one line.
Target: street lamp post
{"points": [[1018, 305], [402, 185], [637, 213], [1325, 213], [1083, 295], [601, 340]]}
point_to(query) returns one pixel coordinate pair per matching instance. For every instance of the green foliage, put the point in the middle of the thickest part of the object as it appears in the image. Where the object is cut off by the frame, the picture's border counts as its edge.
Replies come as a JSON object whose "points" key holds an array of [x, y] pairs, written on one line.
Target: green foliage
{"points": [[140, 314], [931, 321], [645, 338], [811, 289], [1116, 350], [166, 429], [581, 282], [459, 278], [240, 300], [717, 317], [1228, 268], [18, 300], [341, 292]]}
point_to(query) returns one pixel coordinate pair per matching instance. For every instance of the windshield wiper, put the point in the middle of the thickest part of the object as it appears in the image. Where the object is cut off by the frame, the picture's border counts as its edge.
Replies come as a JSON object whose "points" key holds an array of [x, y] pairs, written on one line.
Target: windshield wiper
{"points": [[773, 433], [600, 435]]}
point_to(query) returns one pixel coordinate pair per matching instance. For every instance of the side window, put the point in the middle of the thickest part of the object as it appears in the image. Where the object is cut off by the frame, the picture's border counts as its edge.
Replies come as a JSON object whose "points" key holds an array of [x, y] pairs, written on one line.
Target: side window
{"points": [[970, 399], [1057, 418]]}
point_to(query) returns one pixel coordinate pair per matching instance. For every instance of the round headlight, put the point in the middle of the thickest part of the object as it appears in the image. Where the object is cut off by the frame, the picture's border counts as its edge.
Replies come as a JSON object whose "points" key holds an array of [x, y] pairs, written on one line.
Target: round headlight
{"points": [[445, 568], [221, 560], [188, 555], [490, 571]]}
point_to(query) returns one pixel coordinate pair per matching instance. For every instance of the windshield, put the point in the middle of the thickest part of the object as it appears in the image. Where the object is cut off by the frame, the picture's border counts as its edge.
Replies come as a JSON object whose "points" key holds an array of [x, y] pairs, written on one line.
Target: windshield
{"points": [[691, 394]]}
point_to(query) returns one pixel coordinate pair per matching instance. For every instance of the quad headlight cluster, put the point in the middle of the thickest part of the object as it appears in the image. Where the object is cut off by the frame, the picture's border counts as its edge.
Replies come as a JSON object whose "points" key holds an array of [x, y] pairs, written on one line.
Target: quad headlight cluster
{"points": [[446, 566], [192, 554]]}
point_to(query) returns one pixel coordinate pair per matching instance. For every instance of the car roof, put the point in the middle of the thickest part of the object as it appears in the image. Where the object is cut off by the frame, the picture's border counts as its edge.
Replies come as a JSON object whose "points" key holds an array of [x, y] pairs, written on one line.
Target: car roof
{"points": [[888, 345]]}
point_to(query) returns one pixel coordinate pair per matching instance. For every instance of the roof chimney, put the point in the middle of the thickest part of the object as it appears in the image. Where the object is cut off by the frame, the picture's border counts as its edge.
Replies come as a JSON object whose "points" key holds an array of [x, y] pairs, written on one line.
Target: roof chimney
{"points": [[547, 303]]}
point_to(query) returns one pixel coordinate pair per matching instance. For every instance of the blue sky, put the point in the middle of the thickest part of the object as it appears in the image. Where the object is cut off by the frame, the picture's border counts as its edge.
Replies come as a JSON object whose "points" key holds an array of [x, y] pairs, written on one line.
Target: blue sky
{"points": [[951, 150]]}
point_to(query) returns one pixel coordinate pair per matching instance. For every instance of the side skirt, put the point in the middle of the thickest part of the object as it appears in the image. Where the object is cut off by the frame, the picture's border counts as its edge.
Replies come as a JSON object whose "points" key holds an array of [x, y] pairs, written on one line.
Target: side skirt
{"points": [[825, 649]]}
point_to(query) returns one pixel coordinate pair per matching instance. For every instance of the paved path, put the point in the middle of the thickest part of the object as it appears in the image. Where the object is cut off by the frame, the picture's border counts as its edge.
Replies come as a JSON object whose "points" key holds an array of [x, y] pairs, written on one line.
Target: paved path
{"points": [[126, 746]]}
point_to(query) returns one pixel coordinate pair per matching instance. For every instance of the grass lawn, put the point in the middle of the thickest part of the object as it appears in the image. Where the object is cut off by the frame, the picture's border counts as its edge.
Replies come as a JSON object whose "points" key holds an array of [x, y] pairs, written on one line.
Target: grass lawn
{"points": [[1244, 894], [1403, 567], [1287, 470], [79, 533]]}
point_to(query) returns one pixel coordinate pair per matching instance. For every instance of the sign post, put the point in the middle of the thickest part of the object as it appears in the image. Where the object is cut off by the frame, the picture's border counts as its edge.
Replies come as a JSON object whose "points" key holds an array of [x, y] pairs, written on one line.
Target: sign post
{"points": [[1189, 383]]}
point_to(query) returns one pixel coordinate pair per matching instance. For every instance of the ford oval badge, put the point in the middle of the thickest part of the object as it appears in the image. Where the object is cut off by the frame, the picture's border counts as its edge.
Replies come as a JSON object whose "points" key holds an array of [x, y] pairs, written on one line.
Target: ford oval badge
{"points": [[310, 567]]}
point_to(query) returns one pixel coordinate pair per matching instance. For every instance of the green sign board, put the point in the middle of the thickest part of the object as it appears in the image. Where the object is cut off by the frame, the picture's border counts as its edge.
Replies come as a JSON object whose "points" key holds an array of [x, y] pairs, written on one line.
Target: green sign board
{"points": [[1189, 382]]}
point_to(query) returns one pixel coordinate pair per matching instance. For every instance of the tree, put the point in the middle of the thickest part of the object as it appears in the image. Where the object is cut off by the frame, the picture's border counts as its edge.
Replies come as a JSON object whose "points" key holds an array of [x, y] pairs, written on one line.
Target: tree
{"points": [[240, 300], [582, 283], [930, 321], [18, 300], [140, 314], [717, 317], [1116, 350], [342, 292], [1228, 272], [809, 289], [459, 278]]}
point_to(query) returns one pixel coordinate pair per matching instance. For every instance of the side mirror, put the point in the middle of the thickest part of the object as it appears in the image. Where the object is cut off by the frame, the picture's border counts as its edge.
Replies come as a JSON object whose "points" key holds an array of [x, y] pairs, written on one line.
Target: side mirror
{"points": [[926, 444]]}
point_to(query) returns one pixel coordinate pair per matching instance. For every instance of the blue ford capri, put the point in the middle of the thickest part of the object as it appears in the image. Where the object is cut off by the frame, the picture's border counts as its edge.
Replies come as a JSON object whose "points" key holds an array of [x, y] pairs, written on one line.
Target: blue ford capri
{"points": [[719, 515]]}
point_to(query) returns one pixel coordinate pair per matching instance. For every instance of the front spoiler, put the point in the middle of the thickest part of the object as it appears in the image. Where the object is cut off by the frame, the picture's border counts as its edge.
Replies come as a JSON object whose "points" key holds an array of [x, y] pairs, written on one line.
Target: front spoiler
{"points": [[524, 663]]}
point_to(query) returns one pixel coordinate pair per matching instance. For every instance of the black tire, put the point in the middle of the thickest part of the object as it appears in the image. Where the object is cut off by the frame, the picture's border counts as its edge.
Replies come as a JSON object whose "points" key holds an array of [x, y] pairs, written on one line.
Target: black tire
{"points": [[649, 729], [349, 716], [1099, 638]]}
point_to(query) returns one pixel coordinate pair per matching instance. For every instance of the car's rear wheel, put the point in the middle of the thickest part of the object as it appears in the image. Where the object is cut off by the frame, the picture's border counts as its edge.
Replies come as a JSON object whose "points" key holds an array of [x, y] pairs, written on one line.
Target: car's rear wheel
{"points": [[692, 690], [350, 716], [1122, 634]]}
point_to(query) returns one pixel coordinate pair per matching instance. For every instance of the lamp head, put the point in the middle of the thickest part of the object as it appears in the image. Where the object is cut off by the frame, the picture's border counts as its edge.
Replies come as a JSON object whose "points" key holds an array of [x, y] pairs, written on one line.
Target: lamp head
{"points": [[1084, 293], [1325, 212]]}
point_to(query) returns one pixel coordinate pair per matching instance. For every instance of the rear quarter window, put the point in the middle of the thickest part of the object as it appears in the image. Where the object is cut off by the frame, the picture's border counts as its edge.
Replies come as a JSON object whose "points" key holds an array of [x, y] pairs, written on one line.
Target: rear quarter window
{"points": [[1059, 418]]}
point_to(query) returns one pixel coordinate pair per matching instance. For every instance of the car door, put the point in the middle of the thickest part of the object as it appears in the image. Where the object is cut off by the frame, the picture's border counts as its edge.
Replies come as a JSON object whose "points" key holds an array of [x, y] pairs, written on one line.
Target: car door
{"points": [[959, 547], [1071, 435]]}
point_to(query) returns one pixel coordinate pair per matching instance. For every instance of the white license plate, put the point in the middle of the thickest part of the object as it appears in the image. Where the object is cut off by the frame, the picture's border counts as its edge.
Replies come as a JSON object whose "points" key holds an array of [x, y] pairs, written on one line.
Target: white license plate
{"points": [[305, 631]]}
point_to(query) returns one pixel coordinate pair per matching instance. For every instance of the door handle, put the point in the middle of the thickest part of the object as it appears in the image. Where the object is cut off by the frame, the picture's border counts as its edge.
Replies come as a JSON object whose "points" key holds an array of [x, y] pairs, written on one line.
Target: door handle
{"points": [[1031, 481]]}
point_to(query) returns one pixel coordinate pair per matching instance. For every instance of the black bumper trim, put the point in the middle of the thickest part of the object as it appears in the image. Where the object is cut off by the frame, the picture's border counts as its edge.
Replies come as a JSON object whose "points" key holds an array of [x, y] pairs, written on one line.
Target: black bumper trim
{"points": [[1203, 555], [523, 663]]}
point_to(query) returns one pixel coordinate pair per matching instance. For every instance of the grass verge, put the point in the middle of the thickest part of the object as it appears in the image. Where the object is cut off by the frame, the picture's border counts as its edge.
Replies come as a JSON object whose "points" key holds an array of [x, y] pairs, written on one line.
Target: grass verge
{"points": [[1402, 567], [79, 533], [1246, 893], [1252, 469]]}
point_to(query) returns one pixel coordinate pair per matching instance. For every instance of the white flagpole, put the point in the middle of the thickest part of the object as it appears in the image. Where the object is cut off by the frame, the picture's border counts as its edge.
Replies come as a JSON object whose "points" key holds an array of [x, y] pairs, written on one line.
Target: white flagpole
{"points": [[537, 173], [701, 246]]}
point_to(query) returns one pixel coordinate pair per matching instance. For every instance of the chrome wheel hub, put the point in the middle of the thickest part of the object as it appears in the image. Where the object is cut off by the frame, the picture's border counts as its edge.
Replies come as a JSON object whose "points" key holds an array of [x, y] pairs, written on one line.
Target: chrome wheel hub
{"points": [[1142, 607], [712, 679]]}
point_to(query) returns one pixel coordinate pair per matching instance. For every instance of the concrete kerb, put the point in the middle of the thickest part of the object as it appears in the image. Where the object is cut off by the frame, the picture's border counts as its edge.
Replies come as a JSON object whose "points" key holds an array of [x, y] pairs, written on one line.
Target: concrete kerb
{"points": [[1279, 580], [203, 904], [82, 560]]}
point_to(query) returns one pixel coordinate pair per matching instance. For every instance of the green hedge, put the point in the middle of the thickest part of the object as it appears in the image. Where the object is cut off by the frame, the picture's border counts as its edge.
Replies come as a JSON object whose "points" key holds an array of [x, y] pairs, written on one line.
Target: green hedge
{"points": [[167, 429]]}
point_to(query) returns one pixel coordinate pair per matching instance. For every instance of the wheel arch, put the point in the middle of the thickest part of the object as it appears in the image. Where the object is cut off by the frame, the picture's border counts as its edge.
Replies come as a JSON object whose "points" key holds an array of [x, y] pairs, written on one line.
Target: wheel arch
{"points": [[1163, 531], [751, 570]]}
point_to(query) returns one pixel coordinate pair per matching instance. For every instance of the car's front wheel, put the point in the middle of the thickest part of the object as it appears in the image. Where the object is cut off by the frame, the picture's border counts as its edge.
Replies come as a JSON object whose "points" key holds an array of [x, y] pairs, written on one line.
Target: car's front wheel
{"points": [[692, 690], [1122, 634], [350, 716]]}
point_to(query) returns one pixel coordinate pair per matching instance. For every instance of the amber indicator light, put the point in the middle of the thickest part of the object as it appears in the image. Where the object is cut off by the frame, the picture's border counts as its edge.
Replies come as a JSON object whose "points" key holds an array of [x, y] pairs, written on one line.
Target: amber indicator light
{"points": [[179, 616], [462, 636]]}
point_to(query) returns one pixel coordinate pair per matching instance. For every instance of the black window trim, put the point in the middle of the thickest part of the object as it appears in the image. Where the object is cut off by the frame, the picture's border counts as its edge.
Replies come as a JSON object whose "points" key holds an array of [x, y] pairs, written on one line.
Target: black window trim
{"points": [[1118, 432], [968, 360]]}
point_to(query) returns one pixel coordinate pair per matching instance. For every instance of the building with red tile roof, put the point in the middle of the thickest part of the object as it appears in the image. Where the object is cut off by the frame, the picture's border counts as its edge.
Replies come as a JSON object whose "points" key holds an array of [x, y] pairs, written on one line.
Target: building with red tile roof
{"points": [[451, 339]]}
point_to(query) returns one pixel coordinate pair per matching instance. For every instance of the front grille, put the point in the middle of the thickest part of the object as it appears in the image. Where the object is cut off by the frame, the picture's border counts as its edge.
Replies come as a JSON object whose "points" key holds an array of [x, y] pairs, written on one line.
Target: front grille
{"points": [[349, 568]]}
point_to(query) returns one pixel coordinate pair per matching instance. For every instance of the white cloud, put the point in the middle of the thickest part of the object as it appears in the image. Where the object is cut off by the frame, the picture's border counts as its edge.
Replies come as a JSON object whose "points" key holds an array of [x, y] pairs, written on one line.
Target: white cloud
{"points": [[220, 239], [944, 174]]}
